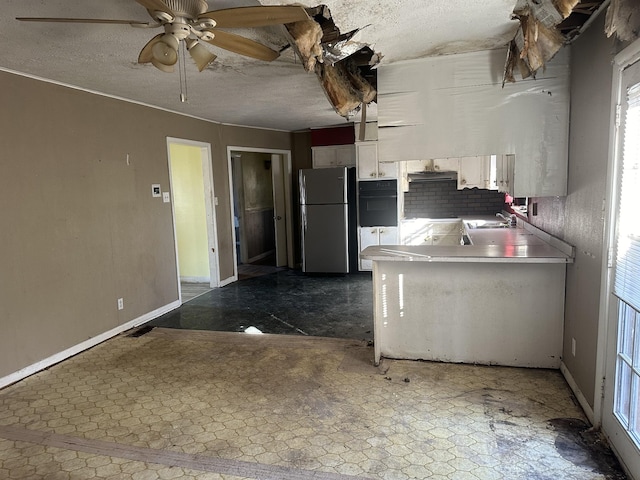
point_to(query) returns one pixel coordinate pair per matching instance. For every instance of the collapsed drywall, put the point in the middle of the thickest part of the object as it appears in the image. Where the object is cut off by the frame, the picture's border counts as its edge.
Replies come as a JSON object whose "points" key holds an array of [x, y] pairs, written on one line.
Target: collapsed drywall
{"points": [[547, 25], [346, 68]]}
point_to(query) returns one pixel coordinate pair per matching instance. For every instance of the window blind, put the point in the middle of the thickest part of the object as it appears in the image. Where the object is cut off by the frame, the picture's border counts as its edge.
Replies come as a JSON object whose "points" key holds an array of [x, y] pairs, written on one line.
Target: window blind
{"points": [[627, 271]]}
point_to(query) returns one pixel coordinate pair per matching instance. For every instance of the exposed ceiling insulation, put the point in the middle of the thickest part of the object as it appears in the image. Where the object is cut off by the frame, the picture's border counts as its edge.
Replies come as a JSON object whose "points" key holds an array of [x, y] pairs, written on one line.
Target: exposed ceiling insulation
{"points": [[623, 19], [345, 68], [547, 25]]}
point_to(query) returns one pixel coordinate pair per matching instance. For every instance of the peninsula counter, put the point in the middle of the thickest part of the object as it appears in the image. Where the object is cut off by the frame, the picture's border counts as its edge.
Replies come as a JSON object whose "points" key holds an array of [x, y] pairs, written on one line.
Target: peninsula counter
{"points": [[497, 301]]}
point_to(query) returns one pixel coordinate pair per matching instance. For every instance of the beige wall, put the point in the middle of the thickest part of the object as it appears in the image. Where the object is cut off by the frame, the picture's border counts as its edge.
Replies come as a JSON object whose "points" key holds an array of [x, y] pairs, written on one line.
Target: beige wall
{"points": [[79, 225], [578, 218]]}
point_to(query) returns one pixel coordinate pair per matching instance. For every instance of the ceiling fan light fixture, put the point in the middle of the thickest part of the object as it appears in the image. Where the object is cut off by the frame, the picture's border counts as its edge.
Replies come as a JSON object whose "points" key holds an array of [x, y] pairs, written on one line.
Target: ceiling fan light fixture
{"points": [[200, 54], [165, 50], [162, 66]]}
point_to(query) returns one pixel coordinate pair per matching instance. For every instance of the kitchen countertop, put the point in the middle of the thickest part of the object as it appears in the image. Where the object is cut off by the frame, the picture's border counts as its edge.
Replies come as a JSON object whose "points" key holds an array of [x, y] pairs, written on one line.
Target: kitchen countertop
{"points": [[522, 244]]}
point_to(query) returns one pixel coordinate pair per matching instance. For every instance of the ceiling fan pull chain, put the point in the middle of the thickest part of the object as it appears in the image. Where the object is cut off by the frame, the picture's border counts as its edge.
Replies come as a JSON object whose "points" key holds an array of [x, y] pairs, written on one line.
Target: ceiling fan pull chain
{"points": [[182, 70]]}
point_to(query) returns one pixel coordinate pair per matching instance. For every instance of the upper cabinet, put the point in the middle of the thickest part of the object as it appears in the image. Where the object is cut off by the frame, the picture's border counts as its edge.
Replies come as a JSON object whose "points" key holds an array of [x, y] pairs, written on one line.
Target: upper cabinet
{"points": [[488, 172], [503, 174], [367, 162], [455, 106], [474, 172], [333, 156]]}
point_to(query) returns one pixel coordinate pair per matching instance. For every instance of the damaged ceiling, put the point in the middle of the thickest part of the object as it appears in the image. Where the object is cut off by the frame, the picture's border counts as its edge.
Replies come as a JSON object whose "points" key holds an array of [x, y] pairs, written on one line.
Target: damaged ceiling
{"points": [[327, 65], [547, 25]]}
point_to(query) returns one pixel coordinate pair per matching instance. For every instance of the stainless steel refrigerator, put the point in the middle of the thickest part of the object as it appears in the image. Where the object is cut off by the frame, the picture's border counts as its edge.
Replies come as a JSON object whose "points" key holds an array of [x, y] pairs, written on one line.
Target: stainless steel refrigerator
{"points": [[327, 205]]}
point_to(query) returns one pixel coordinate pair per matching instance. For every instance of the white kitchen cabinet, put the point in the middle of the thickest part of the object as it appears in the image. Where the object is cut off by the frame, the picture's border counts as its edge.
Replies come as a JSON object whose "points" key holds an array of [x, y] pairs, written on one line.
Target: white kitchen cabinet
{"points": [[333, 156], [502, 173], [375, 236], [370, 131], [367, 163], [432, 165], [446, 164], [474, 172]]}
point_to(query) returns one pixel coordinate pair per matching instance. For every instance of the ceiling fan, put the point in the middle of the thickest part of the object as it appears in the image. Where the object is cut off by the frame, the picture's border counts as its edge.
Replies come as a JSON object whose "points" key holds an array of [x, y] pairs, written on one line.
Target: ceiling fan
{"points": [[189, 21]]}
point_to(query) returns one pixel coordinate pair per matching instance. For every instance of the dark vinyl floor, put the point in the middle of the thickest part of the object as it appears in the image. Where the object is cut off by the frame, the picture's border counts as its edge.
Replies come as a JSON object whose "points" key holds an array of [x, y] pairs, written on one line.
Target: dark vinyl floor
{"points": [[285, 302]]}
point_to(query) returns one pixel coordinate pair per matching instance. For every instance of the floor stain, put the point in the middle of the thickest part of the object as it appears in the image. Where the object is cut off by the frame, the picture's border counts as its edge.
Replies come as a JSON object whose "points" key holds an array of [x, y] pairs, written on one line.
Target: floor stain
{"points": [[578, 443]]}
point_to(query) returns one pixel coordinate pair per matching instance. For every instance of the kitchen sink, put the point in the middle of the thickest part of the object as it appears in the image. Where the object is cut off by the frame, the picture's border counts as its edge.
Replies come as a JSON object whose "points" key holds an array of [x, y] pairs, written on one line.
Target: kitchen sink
{"points": [[487, 224]]}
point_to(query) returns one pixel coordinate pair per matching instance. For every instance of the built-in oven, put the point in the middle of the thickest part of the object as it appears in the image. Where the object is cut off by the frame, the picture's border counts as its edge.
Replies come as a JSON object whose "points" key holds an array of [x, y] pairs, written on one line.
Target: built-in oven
{"points": [[378, 203]]}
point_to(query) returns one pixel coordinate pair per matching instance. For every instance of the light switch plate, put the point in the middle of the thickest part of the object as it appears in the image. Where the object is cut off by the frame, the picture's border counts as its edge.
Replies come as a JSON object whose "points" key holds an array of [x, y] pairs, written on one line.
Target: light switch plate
{"points": [[166, 198], [155, 190]]}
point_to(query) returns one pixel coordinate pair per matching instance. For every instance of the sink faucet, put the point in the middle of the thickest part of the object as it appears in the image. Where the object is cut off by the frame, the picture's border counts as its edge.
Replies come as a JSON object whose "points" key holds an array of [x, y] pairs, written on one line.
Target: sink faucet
{"points": [[511, 219]]}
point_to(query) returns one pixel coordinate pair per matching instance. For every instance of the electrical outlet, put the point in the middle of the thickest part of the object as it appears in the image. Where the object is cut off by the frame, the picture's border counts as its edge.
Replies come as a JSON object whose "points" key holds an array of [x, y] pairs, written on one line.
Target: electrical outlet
{"points": [[120, 304], [573, 347]]}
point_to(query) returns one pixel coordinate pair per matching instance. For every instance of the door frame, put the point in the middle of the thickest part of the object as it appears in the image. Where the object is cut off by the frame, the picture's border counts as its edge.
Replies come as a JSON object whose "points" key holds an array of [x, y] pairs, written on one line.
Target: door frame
{"points": [[607, 328], [210, 202], [287, 173]]}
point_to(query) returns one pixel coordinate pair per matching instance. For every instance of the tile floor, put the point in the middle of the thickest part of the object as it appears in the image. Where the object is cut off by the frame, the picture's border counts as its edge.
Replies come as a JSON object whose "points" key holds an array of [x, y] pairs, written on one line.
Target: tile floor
{"points": [[185, 404], [286, 302]]}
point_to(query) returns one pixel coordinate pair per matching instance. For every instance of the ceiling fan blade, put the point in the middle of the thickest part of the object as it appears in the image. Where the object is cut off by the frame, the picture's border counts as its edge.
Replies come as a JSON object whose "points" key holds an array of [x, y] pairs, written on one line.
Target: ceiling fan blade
{"points": [[81, 20], [243, 46], [146, 54], [158, 5], [248, 17]]}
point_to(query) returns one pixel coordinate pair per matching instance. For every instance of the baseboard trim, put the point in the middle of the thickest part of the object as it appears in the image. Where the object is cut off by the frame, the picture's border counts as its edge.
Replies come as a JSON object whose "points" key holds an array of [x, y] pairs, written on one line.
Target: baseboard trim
{"points": [[196, 279], [588, 410], [92, 342]]}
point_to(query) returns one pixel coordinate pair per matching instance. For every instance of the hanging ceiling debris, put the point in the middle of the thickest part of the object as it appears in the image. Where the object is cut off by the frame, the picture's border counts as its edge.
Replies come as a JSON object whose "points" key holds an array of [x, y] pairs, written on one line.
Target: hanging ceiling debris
{"points": [[623, 19], [346, 68], [547, 25]]}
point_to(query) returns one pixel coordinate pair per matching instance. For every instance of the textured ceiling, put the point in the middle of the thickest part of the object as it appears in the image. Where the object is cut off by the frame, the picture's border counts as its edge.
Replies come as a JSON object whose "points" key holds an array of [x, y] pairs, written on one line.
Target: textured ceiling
{"points": [[234, 89]]}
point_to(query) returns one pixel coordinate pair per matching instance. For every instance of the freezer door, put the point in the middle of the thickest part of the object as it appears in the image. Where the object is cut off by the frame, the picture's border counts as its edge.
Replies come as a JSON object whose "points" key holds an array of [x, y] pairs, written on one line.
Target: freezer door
{"points": [[323, 186], [325, 239]]}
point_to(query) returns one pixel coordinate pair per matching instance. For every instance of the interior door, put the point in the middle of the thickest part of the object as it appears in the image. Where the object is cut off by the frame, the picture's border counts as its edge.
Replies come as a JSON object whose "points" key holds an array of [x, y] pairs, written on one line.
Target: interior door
{"points": [[279, 209], [193, 211], [621, 407]]}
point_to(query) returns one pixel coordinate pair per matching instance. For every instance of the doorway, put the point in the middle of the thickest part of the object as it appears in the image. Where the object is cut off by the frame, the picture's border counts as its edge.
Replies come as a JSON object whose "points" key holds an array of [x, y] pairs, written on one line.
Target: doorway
{"points": [[621, 314], [192, 195], [260, 188]]}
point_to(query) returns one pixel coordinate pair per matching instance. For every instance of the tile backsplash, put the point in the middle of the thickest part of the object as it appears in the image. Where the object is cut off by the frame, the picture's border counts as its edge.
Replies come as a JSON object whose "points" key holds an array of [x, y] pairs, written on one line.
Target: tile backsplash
{"points": [[442, 199]]}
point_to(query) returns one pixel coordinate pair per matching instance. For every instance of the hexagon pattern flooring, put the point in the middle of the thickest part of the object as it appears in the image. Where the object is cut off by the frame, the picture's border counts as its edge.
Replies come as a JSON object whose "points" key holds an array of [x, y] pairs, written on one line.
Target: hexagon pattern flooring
{"points": [[178, 404]]}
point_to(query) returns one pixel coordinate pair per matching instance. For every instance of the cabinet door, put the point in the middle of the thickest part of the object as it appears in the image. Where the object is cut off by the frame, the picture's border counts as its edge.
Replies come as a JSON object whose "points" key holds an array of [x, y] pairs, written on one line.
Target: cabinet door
{"points": [[368, 236], [446, 164], [345, 156], [367, 160], [473, 172], [387, 169], [323, 157], [388, 235], [504, 173]]}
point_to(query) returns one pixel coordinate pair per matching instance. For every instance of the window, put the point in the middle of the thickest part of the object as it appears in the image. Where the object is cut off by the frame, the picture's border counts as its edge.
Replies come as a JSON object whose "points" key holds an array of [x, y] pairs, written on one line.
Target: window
{"points": [[627, 273]]}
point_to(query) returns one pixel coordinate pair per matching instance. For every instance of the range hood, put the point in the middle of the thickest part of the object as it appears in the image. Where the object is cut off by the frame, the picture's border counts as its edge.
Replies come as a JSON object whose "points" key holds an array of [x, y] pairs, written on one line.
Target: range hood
{"points": [[432, 176]]}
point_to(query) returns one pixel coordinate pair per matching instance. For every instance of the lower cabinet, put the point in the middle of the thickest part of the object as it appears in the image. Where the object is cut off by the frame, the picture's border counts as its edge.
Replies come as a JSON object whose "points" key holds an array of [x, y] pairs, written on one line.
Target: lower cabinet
{"points": [[368, 236]]}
